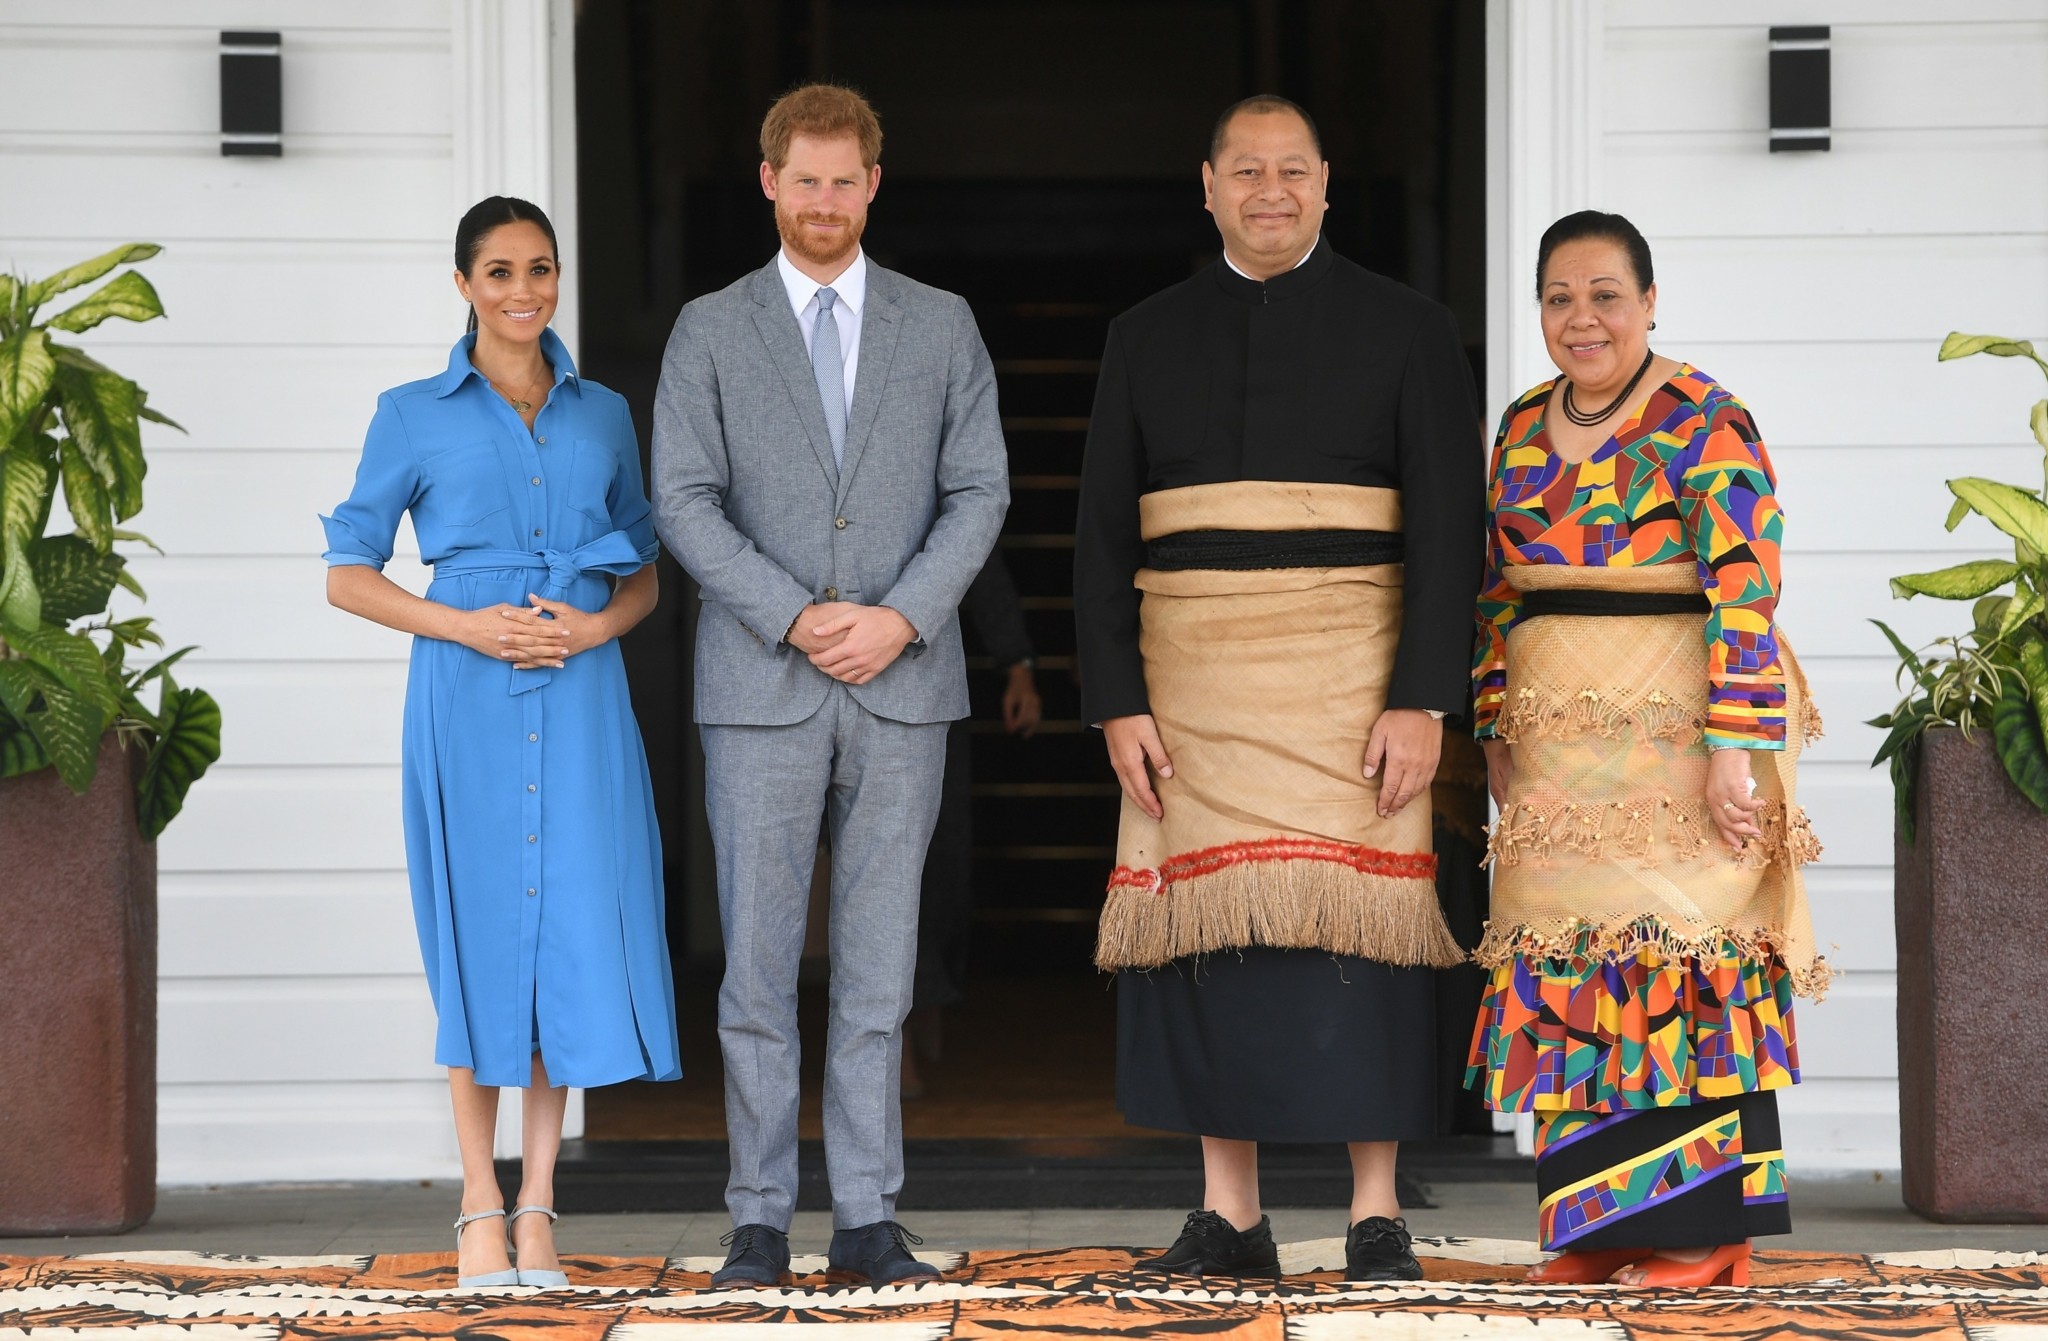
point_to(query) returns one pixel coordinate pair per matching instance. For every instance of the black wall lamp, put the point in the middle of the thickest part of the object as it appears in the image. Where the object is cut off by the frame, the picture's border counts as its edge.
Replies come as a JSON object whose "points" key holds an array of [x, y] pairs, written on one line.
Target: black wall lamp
{"points": [[1800, 96], [251, 94]]}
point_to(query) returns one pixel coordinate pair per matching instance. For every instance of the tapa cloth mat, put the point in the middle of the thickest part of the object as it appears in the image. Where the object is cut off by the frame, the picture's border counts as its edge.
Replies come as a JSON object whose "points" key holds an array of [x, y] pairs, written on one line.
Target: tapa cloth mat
{"points": [[1472, 1290]]}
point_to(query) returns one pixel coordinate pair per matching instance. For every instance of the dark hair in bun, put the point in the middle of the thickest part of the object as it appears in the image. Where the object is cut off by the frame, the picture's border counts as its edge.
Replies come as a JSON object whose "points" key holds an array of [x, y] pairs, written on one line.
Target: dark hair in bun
{"points": [[490, 213]]}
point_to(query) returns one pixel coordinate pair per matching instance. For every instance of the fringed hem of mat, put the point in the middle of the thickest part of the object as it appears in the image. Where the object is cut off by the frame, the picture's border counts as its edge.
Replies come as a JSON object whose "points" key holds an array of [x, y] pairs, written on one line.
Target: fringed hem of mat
{"points": [[1617, 830], [1300, 894], [1578, 942]]}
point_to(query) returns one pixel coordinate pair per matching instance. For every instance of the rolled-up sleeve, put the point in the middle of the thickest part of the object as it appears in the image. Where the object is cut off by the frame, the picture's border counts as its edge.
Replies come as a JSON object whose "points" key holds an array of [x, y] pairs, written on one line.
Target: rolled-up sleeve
{"points": [[626, 501], [362, 529]]}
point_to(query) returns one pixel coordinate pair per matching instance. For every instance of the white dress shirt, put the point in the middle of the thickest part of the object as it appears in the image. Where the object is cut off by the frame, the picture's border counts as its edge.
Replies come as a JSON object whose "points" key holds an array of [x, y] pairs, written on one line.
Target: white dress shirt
{"points": [[850, 292]]}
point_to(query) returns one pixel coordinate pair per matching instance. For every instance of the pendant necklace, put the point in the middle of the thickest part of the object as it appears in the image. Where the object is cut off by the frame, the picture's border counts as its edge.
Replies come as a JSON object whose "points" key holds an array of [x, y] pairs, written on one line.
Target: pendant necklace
{"points": [[519, 405], [1588, 418]]}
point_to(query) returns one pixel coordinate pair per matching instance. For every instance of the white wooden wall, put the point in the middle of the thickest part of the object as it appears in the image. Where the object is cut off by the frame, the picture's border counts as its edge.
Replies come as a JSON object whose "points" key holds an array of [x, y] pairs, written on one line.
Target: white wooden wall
{"points": [[296, 1033], [1818, 287]]}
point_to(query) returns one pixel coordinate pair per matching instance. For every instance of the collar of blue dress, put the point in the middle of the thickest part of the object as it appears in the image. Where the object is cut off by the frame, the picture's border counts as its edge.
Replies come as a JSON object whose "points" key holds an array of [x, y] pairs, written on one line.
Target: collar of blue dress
{"points": [[460, 369]]}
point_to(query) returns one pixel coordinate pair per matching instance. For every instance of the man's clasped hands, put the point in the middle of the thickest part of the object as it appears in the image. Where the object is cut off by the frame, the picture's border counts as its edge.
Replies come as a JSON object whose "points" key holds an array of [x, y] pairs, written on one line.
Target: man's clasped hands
{"points": [[851, 643]]}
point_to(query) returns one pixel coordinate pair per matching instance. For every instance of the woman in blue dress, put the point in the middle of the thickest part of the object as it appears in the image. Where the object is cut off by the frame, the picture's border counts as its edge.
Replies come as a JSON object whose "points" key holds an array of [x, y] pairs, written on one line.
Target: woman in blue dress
{"points": [[529, 819]]}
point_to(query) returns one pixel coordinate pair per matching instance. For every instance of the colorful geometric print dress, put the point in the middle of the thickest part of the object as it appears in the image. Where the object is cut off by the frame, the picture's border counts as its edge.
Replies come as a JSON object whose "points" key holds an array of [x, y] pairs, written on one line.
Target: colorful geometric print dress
{"points": [[1642, 972]]}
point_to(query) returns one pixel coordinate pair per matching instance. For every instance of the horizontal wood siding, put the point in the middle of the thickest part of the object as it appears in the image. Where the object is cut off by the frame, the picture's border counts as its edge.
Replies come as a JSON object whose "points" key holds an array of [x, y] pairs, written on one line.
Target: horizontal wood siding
{"points": [[296, 1034], [1818, 286]]}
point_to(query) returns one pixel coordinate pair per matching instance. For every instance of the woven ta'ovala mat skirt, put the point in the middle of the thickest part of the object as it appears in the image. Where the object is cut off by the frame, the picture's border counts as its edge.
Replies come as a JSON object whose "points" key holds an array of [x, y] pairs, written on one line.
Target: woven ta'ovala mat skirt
{"points": [[1605, 831], [1265, 685]]}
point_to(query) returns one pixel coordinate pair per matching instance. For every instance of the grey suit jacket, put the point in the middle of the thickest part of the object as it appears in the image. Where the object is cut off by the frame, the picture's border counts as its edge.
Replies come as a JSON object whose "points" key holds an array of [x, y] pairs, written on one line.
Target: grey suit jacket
{"points": [[747, 497]]}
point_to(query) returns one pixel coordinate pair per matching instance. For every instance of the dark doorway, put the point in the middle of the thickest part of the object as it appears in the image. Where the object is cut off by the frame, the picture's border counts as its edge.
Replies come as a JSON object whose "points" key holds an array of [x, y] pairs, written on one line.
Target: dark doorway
{"points": [[1042, 159]]}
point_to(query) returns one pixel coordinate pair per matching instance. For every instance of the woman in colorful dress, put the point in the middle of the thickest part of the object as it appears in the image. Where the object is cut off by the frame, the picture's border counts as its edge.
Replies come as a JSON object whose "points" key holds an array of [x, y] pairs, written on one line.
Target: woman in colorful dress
{"points": [[529, 819], [1641, 715]]}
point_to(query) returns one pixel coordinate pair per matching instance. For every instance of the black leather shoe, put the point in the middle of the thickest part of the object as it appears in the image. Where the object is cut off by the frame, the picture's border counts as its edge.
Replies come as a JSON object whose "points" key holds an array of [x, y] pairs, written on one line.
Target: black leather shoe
{"points": [[759, 1256], [876, 1254], [1377, 1248], [1210, 1245]]}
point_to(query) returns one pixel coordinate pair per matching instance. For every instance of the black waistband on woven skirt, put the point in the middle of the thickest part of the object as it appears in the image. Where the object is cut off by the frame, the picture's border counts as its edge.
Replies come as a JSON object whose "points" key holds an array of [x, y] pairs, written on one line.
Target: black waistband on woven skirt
{"points": [[1240, 550], [1592, 602]]}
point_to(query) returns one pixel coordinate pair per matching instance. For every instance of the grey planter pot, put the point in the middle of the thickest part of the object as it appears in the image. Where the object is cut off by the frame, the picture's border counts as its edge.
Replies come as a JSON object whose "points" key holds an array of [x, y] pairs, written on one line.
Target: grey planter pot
{"points": [[1971, 903], [77, 1005]]}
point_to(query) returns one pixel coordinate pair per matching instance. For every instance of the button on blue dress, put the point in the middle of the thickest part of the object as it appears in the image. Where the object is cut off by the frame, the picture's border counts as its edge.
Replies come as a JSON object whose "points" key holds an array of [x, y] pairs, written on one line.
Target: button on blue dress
{"points": [[529, 817]]}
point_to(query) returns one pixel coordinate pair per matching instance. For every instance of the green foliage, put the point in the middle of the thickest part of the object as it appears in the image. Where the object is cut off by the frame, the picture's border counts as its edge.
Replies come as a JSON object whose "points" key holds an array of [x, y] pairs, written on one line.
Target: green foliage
{"points": [[1964, 582], [1954, 684], [2016, 731], [69, 421], [1996, 675]]}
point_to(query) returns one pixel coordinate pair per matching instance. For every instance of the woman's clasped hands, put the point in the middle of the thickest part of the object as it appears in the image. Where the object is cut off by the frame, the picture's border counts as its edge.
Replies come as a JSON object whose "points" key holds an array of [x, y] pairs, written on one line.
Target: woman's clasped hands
{"points": [[541, 636]]}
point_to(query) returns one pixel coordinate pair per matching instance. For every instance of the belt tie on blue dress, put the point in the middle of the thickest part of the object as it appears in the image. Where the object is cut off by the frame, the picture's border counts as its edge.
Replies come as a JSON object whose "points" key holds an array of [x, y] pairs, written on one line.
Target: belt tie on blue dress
{"points": [[613, 552]]}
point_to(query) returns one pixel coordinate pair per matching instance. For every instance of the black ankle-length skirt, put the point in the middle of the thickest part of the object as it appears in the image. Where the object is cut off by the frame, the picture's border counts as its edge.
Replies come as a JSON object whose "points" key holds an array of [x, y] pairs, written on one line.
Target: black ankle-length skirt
{"points": [[1265, 1044], [1691, 1176]]}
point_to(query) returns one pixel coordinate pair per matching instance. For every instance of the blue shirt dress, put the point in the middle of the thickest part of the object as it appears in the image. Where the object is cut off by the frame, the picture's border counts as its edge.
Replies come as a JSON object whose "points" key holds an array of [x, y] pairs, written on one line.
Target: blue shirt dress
{"points": [[529, 817]]}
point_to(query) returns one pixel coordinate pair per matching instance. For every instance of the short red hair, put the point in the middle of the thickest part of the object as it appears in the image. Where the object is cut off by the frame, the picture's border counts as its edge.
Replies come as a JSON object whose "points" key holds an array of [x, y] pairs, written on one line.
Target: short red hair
{"points": [[822, 111]]}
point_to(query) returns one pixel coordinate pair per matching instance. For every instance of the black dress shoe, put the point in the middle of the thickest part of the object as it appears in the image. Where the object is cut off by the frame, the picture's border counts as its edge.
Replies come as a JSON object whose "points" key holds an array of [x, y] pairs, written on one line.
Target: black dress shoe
{"points": [[1210, 1245], [1377, 1248], [759, 1256], [876, 1254]]}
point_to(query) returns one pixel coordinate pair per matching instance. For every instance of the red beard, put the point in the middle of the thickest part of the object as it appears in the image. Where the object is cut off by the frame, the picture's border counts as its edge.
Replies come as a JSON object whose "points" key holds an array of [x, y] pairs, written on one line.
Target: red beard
{"points": [[810, 246]]}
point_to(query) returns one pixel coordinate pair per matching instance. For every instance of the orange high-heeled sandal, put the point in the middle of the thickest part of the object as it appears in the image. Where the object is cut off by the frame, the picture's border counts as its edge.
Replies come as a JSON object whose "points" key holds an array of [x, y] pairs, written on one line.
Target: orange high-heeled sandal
{"points": [[1586, 1268], [1726, 1265]]}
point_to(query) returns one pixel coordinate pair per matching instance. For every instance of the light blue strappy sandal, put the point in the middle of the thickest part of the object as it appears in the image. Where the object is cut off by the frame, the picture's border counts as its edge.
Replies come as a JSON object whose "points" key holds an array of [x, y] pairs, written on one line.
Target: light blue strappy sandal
{"points": [[546, 1280], [490, 1279]]}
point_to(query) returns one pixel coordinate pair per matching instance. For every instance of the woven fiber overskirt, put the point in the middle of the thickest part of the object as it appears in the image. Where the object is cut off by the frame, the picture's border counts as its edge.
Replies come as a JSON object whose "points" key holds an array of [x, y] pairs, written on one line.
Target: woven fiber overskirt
{"points": [[1605, 839], [1265, 685]]}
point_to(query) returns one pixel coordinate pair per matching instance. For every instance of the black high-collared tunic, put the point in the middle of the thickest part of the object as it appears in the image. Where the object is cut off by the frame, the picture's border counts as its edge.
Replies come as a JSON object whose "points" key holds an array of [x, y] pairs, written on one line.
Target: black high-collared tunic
{"points": [[1326, 374]]}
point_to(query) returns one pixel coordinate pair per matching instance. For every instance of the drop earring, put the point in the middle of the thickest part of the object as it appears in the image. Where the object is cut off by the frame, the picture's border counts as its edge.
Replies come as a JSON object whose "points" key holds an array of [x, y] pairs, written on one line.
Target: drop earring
{"points": [[1653, 325]]}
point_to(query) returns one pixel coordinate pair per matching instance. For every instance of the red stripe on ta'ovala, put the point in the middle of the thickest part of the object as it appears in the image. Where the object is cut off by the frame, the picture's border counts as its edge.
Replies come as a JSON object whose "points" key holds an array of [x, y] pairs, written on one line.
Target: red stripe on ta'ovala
{"points": [[1210, 860]]}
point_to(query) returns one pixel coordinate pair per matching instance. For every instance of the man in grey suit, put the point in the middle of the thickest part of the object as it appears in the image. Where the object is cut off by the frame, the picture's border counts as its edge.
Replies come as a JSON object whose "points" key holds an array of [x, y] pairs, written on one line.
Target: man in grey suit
{"points": [[829, 466]]}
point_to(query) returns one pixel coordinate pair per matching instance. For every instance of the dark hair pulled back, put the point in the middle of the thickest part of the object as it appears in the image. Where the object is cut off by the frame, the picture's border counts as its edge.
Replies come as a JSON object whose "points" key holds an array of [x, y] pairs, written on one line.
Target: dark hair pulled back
{"points": [[490, 213], [1605, 227]]}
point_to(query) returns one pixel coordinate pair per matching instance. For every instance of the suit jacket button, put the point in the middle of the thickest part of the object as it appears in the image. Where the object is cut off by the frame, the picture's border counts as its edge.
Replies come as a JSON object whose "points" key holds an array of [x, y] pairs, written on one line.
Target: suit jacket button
{"points": [[839, 522], [831, 593]]}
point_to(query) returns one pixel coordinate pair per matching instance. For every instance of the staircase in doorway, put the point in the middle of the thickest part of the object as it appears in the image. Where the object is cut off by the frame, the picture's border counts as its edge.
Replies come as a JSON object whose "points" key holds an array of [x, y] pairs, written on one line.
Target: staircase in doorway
{"points": [[1045, 809]]}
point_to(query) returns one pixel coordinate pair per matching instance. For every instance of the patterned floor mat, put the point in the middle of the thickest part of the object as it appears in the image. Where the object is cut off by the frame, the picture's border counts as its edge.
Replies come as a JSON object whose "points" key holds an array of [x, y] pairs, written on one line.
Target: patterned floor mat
{"points": [[1473, 1291]]}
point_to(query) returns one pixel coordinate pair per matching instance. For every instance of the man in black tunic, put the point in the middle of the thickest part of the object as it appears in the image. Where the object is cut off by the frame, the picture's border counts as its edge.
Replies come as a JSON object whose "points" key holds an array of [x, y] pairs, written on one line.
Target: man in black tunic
{"points": [[1289, 372]]}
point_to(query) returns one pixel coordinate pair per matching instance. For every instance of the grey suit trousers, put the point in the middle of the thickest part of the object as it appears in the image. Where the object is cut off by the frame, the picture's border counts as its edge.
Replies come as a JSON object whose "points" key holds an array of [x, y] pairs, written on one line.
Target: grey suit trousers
{"points": [[876, 783]]}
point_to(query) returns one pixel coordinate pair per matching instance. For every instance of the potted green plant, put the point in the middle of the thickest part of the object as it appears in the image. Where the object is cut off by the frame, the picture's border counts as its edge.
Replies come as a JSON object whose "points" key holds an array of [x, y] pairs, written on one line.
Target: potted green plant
{"points": [[90, 771], [1970, 773]]}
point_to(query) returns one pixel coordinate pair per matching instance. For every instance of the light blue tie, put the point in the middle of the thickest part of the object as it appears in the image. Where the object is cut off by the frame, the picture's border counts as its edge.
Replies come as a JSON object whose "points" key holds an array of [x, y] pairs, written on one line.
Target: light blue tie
{"points": [[830, 369]]}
